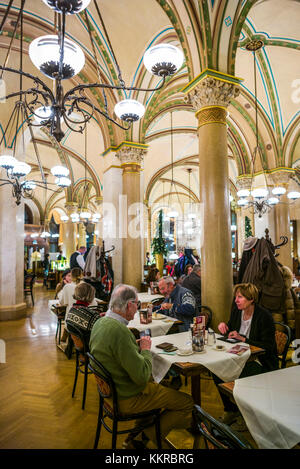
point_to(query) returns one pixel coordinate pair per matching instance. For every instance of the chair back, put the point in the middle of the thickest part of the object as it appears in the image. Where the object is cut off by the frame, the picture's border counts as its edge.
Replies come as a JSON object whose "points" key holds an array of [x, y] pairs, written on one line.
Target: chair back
{"points": [[79, 338], [29, 280], [207, 312], [216, 434], [105, 383], [283, 339]]}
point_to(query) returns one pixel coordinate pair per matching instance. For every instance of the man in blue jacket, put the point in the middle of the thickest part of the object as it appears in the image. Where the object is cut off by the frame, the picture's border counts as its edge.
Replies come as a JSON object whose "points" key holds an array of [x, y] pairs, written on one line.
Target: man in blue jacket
{"points": [[179, 302]]}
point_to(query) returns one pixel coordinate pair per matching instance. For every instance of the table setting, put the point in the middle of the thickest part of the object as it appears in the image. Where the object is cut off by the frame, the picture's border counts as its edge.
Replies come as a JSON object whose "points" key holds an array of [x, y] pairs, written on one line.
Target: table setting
{"points": [[214, 357]]}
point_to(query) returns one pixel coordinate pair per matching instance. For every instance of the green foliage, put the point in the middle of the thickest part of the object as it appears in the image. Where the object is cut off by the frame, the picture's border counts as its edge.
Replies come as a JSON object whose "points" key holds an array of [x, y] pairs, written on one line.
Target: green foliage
{"points": [[159, 244], [248, 229]]}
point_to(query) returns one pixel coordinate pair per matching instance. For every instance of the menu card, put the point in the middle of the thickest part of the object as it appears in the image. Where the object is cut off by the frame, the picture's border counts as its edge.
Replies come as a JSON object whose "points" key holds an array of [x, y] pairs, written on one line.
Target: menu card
{"points": [[198, 324], [238, 349]]}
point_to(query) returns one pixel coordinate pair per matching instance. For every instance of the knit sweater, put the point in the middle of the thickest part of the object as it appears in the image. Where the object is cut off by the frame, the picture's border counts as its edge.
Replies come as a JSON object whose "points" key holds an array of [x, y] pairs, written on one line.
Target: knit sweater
{"points": [[115, 347]]}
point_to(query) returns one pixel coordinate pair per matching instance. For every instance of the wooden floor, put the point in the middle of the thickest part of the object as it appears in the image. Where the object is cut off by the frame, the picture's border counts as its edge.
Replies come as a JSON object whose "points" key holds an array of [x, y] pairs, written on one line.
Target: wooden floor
{"points": [[37, 410]]}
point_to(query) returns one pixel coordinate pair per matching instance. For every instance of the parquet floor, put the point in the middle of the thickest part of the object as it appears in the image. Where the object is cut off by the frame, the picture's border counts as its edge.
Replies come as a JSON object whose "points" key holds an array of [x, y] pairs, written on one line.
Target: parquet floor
{"points": [[37, 410]]}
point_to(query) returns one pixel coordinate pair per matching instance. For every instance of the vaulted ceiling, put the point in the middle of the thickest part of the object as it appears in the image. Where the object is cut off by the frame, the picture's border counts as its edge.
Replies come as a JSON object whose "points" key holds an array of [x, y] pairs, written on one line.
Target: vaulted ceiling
{"points": [[212, 34]]}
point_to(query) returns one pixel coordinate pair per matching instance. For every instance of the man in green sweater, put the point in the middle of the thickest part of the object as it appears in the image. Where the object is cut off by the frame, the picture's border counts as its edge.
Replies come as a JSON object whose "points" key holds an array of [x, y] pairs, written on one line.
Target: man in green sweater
{"points": [[130, 363]]}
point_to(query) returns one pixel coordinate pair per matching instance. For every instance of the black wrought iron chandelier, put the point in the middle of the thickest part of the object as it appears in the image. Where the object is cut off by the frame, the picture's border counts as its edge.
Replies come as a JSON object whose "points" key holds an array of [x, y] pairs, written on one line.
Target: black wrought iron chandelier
{"points": [[59, 58]]}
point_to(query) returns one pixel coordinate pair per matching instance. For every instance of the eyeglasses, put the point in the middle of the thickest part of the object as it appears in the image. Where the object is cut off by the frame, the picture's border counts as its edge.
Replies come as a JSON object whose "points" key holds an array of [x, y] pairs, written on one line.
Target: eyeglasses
{"points": [[137, 302]]}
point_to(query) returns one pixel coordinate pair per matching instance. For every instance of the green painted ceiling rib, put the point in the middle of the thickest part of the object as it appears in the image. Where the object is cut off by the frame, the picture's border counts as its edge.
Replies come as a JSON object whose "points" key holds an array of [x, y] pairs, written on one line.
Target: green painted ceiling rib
{"points": [[195, 34], [251, 123], [106, 56], [235, 152], [206, 34], [274, 102], [236, 35], [216, 52], [173, 18]]}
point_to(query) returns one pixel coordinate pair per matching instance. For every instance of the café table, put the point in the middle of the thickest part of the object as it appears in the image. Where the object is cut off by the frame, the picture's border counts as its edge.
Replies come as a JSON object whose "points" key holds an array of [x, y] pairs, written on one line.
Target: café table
{"points": [[146, 298], [225, 365], [270, 405], [158, 327]]}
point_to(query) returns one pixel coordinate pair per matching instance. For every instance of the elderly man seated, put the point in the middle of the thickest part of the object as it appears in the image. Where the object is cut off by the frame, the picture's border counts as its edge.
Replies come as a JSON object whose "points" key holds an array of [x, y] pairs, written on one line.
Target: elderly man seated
{"points": [[179, 302], [130, 363]]}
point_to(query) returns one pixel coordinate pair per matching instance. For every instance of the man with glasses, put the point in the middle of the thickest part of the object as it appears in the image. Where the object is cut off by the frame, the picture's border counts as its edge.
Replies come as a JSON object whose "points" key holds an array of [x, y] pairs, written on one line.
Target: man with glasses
{"points": [[129, 361]]}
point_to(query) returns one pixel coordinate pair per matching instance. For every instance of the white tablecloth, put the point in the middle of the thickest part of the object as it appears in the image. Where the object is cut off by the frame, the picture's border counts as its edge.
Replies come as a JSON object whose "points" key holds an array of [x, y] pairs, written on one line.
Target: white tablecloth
{"points": [[146, 298], [270, 405], [226, 366], [158, 327]]}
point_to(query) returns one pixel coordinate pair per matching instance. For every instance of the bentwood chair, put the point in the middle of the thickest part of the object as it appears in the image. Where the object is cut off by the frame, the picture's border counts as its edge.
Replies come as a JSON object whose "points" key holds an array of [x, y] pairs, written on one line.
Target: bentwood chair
{"points": [[81, 345], [216, 434], [283, 339], [107, 389], [207, 312], [29, 280], [60, 311]]}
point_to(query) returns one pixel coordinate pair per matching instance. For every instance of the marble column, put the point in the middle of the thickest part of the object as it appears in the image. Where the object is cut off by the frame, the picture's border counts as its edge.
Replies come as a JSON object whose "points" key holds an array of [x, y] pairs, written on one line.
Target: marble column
{"points": [[112, 190], [99, 224], [82, 234], [12, 304], [69, 231], [282, 219], [131, 158], [210, 98]]}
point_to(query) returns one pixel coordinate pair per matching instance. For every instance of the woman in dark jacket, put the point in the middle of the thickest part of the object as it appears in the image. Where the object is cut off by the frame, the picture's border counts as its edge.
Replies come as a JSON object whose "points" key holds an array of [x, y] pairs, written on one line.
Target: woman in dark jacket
{"points": [[254, 325]]}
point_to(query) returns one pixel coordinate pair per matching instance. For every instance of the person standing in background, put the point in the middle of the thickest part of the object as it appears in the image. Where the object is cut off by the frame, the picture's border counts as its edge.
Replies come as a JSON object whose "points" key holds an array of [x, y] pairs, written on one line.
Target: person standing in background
{"points": [[77, 258]]}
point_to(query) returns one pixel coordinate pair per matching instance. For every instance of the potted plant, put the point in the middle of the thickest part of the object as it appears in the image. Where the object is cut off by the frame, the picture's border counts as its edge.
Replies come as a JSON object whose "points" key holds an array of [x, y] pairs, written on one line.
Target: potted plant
{"points": [[158, 245]]}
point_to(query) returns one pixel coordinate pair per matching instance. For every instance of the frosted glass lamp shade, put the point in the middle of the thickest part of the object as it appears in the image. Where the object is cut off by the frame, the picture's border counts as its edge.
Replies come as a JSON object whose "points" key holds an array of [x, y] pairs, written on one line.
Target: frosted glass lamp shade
{"points": [[63, 182], [70, 7], [273, 200], [7, 161], [259, 193], [43, 114], [21, 169], [293, 195], [29, 185], [64, 218], [163, 59], [129, 110], [60, 171], [243, 193], [242, 202], [44, 54], [85, 215], [279, 191]]}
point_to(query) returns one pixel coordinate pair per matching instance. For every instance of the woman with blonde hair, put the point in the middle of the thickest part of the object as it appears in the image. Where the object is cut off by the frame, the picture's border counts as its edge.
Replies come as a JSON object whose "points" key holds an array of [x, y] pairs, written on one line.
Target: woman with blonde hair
{"points": [[253, 325]]}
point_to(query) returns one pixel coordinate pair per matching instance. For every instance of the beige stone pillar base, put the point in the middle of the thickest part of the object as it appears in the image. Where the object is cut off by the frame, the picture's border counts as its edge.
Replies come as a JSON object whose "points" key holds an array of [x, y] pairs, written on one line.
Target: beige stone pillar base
{"points": [[13, 313]]}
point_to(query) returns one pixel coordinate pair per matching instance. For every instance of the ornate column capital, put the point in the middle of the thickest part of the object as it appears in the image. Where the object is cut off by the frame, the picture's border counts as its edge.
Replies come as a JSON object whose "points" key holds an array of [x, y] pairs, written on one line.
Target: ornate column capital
{"points": [[131, 158], [280, 177], [212, 91], [99, 200], [71, 207], [244, 182]]}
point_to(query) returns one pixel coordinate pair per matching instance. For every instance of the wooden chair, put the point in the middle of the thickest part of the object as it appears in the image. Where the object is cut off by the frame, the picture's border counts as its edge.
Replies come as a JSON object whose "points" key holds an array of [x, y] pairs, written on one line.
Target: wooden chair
{"points": [[283, 339], [216, 434], [107, 389], [82, 360], [60, 311], [207, 312], [29, 280]]}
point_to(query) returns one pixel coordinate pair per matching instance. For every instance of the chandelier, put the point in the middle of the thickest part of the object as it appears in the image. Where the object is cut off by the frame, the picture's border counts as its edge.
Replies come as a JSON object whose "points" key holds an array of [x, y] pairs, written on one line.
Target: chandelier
{"points": [[261, 201], [59, 59]]}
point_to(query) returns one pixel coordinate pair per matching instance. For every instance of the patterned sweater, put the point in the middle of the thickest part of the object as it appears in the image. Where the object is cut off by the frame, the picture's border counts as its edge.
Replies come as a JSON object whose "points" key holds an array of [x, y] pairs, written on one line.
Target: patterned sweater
{"points": [[82, 317], [184, 306]]}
